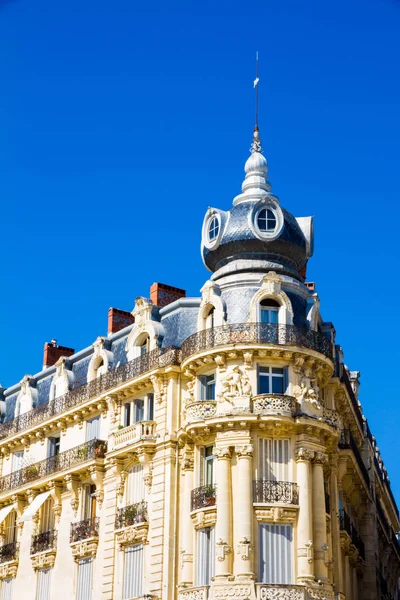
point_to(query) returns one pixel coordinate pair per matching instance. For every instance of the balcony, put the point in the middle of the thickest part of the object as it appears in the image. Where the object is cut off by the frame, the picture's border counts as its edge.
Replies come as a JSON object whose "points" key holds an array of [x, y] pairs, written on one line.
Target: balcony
{"points": [[274, 404], [157, 358], [9, 552], [143, 430], [347, 526], [194, 593], [347, 441], [345, 523], [42, 542], [271, 492], [266, 591], [54, 464], [198, 411], [203, 497], [131, 515], [83, 530], [256, 333]]}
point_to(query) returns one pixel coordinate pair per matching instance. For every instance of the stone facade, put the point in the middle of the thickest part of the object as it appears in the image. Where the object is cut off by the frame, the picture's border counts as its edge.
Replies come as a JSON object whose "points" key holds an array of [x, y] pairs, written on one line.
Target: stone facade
{"points": [[214, 448]]}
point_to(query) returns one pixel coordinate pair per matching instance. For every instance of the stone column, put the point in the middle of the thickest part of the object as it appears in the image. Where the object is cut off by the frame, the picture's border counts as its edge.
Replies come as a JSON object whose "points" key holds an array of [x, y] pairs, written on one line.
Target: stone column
{"points": [[305, 560], [355, 583], [319, 516], [348, 575], [223, 529], [335, 529], [243, 513], [187, 532]]}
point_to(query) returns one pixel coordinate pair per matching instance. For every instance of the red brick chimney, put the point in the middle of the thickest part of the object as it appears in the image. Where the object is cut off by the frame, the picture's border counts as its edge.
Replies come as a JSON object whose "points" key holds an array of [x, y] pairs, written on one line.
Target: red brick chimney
{"points": [[310, 285], [119, 319], [162, 294], [52, 352]]}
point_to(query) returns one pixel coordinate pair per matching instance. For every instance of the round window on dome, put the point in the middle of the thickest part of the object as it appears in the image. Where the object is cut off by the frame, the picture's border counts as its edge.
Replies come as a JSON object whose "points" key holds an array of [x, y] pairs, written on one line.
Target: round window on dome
{"points": [[266, 220], [213, 229]]}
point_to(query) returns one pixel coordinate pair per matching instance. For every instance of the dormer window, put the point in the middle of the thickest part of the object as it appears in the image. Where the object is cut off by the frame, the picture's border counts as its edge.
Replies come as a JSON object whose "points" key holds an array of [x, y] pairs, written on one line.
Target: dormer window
{"points": [[269, 311], [145, 346], [266, 220], [213, 229], [210, 318]]}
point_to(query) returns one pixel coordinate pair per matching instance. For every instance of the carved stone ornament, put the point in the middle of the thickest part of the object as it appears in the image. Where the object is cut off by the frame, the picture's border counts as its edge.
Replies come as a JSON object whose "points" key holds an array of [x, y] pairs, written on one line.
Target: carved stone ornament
{"points": [[238, 591], [9, 570], [320, 458], [281, 593], [135, 534], [222, 549], [245, 548], [234, 383], [187, 459], [193, 594], [160, 388], [204, 518], [84, 549], [245, 451], [44, 560], [221, 453], [304, 454], [189, 396], [277, 514], [319, 594], [308, 391]]}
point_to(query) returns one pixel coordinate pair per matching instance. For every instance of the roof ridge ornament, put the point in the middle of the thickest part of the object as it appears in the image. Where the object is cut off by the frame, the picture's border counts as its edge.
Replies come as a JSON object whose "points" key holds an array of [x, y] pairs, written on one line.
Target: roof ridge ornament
{"points": [[256, 143]]}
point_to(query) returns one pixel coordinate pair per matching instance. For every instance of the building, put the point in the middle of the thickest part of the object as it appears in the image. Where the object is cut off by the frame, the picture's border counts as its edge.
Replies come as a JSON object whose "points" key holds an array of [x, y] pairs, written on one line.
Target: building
{"points": [[206, 448]]}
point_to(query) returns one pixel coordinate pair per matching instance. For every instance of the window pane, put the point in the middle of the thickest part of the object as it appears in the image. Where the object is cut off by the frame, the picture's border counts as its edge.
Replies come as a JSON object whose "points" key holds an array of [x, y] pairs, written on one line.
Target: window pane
{"points": [[277, 385], [277, 370], [127, 415], [273, 316], [263, 383]]}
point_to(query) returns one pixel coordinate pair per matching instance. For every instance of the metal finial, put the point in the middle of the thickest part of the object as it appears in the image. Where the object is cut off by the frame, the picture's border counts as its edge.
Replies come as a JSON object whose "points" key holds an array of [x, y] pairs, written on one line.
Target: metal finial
{"points": [[256, 143]]}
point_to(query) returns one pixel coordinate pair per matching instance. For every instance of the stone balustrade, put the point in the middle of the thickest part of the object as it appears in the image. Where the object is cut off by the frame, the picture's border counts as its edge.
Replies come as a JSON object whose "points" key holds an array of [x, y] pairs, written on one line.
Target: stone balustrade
{"points": [[195, 593], [143, 430], [274, 404]]}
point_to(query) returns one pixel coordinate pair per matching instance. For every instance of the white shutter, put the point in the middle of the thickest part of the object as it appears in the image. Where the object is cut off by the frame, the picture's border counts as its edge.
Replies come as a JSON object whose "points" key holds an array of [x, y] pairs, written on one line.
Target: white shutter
{"points": [[275, 553], [133, 572], [44, 579], [205, 556], [202, 464], [273, 460], [93, 429], [135, 485], [6, 589], [85, 579], [47, 515], [18, 461]]}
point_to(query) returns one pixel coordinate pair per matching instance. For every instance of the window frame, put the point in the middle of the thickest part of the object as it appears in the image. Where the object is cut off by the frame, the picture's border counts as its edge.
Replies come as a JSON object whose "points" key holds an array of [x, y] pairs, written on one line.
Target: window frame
{"points": [[207, 383], [262, 375], [290, 557]]}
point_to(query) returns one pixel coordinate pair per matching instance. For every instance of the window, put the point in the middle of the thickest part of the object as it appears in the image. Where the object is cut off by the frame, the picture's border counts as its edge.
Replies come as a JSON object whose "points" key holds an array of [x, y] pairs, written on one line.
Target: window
{"points": [[133, 572], [269, 311], [47, 516], [207, 470], [210, 318], [141, 409], [213, 229], [88, 501], [205, 555], [53, 447], [10, 528], [93, 429], [17, 461], [145, 346], [273, 460], [207, 387], [135, 485], [43, 584], [271, 380], [6, 589], [266, 220], [85, 579], [275, 543], [101, 369]]}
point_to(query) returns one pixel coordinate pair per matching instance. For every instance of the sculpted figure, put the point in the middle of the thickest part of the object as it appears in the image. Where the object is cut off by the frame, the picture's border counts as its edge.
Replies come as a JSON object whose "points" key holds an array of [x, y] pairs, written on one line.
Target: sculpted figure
{"points": [[235, 383], [308, 390]]}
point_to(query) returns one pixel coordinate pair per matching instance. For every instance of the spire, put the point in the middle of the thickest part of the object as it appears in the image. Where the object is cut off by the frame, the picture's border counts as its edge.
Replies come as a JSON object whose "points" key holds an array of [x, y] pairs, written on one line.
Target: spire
{"points": [[256, 143]]}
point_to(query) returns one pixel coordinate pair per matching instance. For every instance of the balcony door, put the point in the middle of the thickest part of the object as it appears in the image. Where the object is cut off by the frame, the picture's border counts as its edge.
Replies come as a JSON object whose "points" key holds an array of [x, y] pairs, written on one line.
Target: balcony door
{"points": [[89, 502], [273, 460]]}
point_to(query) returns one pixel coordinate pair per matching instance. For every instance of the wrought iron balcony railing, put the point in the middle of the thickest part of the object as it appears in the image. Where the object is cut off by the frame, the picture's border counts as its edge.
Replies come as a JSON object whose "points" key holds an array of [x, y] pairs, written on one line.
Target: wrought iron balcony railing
{"points": [[47, 540], [54, 464], [131, 515], [9, 552], [347, 441], [345, 523], [256, 333], [82, 530], [347, 526], [203, 496], [327, 503], [270, 492], [82, 392]]}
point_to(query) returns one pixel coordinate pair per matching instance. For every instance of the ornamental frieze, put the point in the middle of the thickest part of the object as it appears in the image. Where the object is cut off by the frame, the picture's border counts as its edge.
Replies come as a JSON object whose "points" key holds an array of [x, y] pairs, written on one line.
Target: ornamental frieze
{"points": [[9, 570], [277, 514], [44, 560], [134, 534], [204, 518], [84, 549]]}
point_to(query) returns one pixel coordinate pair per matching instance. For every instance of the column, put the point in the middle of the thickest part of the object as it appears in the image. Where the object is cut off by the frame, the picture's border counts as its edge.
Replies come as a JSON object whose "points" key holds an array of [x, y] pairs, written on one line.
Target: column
{"points": [[336, 550], [243, 513], [305, 560], [187, 532], [348, 575], [319, 516], [355, 582], [223, 534]]}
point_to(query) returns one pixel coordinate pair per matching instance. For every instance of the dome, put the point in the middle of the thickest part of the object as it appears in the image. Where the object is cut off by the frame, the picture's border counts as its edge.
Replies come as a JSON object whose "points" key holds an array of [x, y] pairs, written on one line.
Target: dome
{"points": [[256, 233]]}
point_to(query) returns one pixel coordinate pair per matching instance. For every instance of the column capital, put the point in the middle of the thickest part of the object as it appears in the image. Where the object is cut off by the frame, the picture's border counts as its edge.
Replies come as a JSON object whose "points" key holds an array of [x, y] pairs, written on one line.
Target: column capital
{"points": [[222, 452], [304, 454], [320, 458], [245, 451]]}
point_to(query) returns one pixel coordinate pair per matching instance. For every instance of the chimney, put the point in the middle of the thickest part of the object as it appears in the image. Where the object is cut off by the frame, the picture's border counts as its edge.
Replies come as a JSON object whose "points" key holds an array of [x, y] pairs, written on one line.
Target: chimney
{"points": [[119, 319], [162, 294], [52, 352], [310, 285]]}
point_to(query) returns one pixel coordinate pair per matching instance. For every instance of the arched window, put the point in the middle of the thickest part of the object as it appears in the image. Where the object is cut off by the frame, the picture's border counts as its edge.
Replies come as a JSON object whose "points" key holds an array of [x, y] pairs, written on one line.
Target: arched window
{"points": [[266, 220], [144, 346], [269, 311], [209, 319], [213, 229]]}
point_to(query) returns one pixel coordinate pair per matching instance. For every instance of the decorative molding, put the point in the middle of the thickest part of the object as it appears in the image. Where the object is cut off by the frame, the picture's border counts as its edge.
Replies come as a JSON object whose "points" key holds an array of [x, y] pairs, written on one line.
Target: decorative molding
{"points": [[274, 592], [199, 593], [277, 514], [133, 534], [245, 451], [222, 453], [9, 570], [319, 594], [84, 548], [320, 458], [239, 591], [160, 386], [44, 560], [271, 287], [222, 549], [304, 454], [204, 518], [245, 548]]}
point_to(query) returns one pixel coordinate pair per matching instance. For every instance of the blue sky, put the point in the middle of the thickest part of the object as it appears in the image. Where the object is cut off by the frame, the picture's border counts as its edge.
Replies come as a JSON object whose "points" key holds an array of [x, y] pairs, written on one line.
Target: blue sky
{"points": [[121, 122]]}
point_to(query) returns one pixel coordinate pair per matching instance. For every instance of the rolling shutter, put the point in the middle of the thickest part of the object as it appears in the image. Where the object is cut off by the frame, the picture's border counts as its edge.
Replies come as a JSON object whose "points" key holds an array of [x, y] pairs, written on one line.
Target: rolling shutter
{"points": [[275, 553], [85, 579], [93, 429], [44, 579], [273, 460], [133, 572], [205, 556], [135, 485], [6, 589]]}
